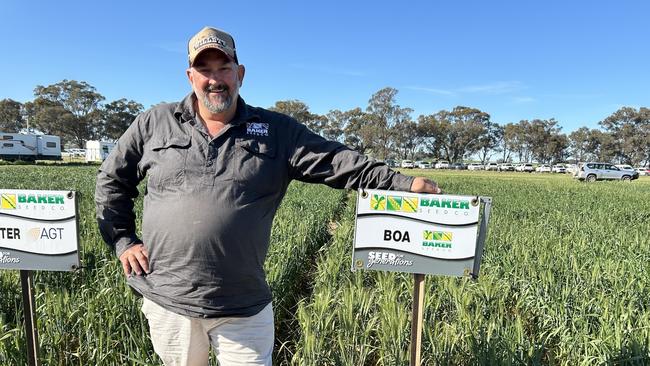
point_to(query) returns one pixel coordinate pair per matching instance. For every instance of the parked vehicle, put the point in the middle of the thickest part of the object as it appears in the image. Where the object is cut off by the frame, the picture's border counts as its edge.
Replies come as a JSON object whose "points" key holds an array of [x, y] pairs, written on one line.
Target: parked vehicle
{"points": [[592, 172], [525, 167], [543, 168], [391, 163], [571, 168], [558, 168], [506, 167], [475, 166], [442, 164], [74, 153], [408, 164], [492, 166], [423, 164], [98, 151], [458, 166], [642, 170], [29, 147]]}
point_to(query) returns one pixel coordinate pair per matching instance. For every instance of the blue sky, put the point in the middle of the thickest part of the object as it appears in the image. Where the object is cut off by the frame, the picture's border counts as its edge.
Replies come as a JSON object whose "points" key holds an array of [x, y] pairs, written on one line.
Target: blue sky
{"points": [[575, 61]]}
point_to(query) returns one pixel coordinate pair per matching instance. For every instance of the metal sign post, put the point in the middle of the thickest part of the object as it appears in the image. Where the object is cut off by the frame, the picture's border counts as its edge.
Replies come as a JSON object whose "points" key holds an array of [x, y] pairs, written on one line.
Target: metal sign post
{"points": [[420, 234], [29, 313]]}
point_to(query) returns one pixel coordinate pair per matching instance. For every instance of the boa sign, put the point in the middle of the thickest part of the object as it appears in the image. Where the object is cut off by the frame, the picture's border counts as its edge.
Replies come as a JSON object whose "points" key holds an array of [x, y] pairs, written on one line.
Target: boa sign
{"points": [[38, 230], [417, 233]]}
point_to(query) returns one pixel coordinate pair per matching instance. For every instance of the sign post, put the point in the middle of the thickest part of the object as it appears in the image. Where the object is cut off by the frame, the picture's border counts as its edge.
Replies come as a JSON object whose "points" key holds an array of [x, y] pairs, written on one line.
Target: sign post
{"points": [[29, 306], [38, 231], [420, 234], [416, 318]]}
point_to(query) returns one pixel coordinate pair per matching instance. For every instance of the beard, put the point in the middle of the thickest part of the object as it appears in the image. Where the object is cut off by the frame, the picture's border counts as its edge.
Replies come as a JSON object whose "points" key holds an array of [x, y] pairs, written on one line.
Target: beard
{"points": [[225, 99]]}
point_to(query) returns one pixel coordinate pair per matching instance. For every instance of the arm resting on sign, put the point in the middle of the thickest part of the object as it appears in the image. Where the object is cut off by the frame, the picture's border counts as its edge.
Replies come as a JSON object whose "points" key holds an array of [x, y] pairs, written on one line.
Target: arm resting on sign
{"points": [[317, 160]]}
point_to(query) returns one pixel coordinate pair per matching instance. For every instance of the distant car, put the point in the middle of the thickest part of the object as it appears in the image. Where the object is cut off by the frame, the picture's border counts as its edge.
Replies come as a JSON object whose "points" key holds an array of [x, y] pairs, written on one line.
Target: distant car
{"points": [[475, 166], [558, 168], [458, 166], [391, 163], [571, 168], [543, 169], [423, 164], [492, 166], [74, 152], [525, 167], [442, 164], [79, 152], [592, 172], [506, 167], [642, 170], [407, 164]]}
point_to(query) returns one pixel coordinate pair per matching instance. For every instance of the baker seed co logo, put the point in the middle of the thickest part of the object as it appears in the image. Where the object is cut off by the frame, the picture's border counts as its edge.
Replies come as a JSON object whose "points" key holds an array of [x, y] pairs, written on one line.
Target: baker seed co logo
{"points": [[437, 239], [380, 202], [10, 201], [257, 128]]}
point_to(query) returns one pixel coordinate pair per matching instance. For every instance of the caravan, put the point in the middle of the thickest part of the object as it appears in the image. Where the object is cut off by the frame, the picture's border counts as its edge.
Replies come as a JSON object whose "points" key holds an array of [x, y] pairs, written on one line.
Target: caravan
{"points": [[97, 151], [29, 147]]}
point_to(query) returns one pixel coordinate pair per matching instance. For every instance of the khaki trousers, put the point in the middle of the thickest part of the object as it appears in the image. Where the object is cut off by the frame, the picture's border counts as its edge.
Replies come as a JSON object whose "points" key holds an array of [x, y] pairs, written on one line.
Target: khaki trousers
{"points": [[185, 341]]}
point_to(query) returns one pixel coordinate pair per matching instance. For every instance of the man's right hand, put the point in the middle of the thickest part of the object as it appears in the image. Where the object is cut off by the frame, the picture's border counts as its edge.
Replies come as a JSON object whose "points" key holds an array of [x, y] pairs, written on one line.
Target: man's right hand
{"points": [[135, 259]]}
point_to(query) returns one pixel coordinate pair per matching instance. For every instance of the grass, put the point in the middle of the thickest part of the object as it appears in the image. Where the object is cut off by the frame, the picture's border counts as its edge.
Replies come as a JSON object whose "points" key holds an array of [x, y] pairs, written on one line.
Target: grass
{"points": [[91, 317], [564, 281]]}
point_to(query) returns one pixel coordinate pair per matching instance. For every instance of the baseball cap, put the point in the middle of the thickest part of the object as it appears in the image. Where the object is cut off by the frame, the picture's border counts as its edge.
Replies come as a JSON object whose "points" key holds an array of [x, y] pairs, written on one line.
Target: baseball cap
{"points": [[209, 37]]}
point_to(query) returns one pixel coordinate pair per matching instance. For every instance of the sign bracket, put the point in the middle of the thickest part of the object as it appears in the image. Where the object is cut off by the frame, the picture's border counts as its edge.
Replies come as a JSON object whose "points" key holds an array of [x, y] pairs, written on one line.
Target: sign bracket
{"points": [[482, 234]]}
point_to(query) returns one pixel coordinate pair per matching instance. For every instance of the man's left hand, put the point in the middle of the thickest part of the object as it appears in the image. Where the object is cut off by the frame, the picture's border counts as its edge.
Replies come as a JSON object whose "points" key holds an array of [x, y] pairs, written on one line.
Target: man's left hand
{"points": [[424, 185]]}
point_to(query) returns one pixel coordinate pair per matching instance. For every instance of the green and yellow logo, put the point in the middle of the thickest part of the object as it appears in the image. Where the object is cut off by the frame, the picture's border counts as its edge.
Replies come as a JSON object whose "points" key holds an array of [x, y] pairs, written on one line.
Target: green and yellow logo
{"points": [[409, 204], [8, 201], [437, 239], [393, 203], [378, 202]]}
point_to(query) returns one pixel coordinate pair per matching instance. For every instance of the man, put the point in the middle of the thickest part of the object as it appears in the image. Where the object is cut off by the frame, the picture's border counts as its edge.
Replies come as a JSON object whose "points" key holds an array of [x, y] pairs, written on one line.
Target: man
{"points": [[217, 171]]}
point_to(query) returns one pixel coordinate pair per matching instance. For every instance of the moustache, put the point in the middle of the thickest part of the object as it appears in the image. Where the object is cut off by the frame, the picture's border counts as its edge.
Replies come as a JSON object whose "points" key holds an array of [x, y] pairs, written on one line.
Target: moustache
{"points": [[217, 88]]}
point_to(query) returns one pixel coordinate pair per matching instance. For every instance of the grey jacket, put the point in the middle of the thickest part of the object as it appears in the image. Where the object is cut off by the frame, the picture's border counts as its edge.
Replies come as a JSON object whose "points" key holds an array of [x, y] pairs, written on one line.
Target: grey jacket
{"points": [[209, 203]]}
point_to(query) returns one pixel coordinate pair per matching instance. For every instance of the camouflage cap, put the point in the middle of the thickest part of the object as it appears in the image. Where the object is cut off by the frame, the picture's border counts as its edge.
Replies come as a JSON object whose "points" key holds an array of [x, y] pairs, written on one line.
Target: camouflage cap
{"points": [[209, 37]]}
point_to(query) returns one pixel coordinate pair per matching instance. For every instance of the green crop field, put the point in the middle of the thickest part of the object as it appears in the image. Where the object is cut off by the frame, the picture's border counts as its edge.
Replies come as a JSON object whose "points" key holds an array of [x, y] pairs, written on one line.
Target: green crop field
{"points": [[565, 280]]}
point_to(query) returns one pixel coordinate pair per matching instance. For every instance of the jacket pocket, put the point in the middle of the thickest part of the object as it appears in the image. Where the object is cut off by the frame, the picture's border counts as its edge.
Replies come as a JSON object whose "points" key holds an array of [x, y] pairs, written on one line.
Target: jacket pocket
{"points": [[168, 161], [258, 169]]}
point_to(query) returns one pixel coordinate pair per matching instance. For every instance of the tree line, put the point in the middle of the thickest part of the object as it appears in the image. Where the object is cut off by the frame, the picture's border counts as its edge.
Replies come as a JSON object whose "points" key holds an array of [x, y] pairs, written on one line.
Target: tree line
{"points": [[386, 130], [76, 112], [72, 110]]}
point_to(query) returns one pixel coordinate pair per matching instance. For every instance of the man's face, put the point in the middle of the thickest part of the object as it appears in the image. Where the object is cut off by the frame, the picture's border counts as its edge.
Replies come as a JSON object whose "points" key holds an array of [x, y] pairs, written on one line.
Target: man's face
{"points": [[215, 79]]}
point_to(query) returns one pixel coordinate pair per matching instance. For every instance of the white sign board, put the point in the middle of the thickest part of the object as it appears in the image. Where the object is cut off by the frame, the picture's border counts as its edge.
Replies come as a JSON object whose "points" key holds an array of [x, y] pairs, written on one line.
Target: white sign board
{"points": [[416, 233], [38, 230]]}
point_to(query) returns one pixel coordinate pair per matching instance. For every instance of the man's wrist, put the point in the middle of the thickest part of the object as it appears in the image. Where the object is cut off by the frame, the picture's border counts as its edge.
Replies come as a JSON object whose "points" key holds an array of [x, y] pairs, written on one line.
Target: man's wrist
{"points": [[124, 243], [402, 182]]}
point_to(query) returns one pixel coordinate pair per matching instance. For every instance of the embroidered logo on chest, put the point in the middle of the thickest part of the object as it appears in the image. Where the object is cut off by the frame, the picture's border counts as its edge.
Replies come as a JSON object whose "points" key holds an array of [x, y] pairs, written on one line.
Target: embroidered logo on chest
{"points": [[257, 128]]}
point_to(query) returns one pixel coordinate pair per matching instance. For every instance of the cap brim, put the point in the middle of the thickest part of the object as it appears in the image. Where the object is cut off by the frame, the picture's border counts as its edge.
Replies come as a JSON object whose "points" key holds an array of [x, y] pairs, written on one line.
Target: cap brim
{"points": [[212, 47]]}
